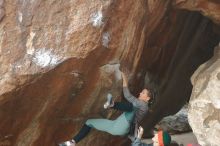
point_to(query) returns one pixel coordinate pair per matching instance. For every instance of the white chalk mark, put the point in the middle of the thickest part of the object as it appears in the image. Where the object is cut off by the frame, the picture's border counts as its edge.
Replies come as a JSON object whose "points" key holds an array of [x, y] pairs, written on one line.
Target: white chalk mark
{"points": [[44, 57], [29, 44], [113, 69], [118, 72], [105, 39], [97, 19], [20, 17]]}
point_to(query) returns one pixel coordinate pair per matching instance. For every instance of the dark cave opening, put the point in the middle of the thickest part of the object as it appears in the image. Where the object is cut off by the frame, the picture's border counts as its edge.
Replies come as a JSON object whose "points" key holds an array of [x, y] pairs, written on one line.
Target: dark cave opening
{"points": [[171, 55]]}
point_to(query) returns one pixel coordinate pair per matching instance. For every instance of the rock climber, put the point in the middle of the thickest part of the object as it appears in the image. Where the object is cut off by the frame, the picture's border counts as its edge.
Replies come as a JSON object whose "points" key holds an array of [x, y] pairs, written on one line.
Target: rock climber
{"points": [[134, 110]]}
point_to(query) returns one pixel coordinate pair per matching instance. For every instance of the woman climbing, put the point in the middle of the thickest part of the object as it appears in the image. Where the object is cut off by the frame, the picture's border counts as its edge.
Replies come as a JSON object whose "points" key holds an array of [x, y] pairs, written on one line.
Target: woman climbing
{"points": [[133, 111]]}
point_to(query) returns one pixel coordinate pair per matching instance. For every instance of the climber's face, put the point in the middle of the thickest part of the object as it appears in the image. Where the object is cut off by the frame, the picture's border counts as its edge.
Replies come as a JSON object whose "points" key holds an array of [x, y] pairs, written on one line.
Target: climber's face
{"points": [[144, 95], [155, 140]]}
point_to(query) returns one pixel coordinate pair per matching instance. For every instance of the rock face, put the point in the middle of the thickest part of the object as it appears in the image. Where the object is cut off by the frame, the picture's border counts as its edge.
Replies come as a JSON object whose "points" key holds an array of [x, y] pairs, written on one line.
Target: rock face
{"points": [[177, 123], [204, 109], [209, 8], [59, 59], [193, 44]]}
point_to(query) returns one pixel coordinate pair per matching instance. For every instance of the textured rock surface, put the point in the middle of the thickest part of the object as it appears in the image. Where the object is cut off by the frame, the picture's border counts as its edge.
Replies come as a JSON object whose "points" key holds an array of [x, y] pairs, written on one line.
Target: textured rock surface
{"points": [[204, 109], [177, 123], [209, 8], [58, 60], [190, 39]]}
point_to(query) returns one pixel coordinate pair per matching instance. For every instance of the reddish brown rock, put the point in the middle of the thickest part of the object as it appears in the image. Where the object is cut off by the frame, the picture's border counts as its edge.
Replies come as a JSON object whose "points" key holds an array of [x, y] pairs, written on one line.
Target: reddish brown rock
{"points": [[209, 8], [59, 59]]}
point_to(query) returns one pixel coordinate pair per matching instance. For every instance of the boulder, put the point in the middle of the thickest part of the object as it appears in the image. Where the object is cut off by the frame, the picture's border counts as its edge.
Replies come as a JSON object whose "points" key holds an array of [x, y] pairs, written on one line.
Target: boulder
{"points": [[177, 123], [59, 59], [209, 8], [204, 105]]}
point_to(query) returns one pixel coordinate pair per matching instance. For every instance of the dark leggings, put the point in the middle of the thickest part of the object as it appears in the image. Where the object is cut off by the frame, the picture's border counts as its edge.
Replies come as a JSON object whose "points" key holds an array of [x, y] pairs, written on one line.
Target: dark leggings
{"points": [[122, 106]]}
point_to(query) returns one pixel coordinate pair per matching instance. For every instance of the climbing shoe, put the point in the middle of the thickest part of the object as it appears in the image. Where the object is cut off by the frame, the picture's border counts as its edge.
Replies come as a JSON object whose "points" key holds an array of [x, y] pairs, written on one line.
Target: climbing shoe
{"points": [[68, 143], [109, 102]]}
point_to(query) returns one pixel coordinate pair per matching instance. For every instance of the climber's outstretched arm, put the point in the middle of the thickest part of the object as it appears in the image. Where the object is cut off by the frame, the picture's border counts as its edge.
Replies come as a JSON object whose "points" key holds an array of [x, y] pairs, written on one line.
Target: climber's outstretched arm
{"points": [[132, 99]]}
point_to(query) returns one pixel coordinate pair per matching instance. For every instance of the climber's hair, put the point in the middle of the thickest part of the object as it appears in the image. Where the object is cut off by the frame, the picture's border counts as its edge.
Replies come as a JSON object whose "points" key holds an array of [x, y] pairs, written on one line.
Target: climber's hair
{"points": [[151, 94]]}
